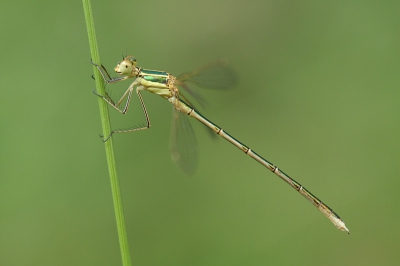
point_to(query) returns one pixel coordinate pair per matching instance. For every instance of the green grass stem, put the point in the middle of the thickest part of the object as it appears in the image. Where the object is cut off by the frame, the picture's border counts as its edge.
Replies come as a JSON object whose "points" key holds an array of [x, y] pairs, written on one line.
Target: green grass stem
{"points": [[105, 121]]}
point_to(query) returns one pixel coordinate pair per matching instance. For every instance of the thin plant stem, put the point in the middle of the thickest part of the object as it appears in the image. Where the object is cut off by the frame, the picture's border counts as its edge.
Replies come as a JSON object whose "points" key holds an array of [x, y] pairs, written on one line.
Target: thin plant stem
{"points": [[105, 121]]}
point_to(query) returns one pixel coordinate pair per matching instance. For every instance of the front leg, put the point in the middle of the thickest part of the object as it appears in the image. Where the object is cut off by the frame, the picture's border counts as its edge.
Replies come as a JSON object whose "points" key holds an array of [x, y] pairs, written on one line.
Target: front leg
{"points": [[127, 94], [105, 74]]}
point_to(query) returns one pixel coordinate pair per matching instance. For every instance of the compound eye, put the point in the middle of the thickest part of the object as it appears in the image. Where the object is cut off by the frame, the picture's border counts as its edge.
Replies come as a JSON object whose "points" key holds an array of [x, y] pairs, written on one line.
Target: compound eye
{"points": [[131, 59]]}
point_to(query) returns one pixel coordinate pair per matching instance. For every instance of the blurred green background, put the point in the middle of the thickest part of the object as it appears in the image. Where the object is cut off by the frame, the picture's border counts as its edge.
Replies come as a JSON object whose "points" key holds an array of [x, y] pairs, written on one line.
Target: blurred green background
{"points": [[318, 95]]}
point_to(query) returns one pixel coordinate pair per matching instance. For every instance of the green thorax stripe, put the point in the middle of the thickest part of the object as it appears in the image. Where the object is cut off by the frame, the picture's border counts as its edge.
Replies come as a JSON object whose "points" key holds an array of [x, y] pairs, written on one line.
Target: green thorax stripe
{"points": [[154, 75]]}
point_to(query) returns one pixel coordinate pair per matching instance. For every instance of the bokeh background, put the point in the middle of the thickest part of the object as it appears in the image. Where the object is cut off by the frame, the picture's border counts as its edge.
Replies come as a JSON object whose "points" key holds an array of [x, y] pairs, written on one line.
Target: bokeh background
{"points": [[318, 95]]}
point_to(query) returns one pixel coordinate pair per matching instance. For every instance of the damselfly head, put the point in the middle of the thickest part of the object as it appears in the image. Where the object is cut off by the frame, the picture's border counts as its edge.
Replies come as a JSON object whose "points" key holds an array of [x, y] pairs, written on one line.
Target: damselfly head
{"points": [[126, 66]]}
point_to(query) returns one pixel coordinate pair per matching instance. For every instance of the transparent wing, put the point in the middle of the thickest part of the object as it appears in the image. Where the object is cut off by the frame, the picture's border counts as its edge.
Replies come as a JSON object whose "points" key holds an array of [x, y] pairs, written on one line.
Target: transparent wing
{"points": [[215, 75], [183, 144]]}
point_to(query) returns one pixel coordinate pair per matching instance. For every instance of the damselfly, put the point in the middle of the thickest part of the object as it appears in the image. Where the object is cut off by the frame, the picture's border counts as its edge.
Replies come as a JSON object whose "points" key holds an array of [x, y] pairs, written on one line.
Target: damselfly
{"points": [[168, 87]]}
